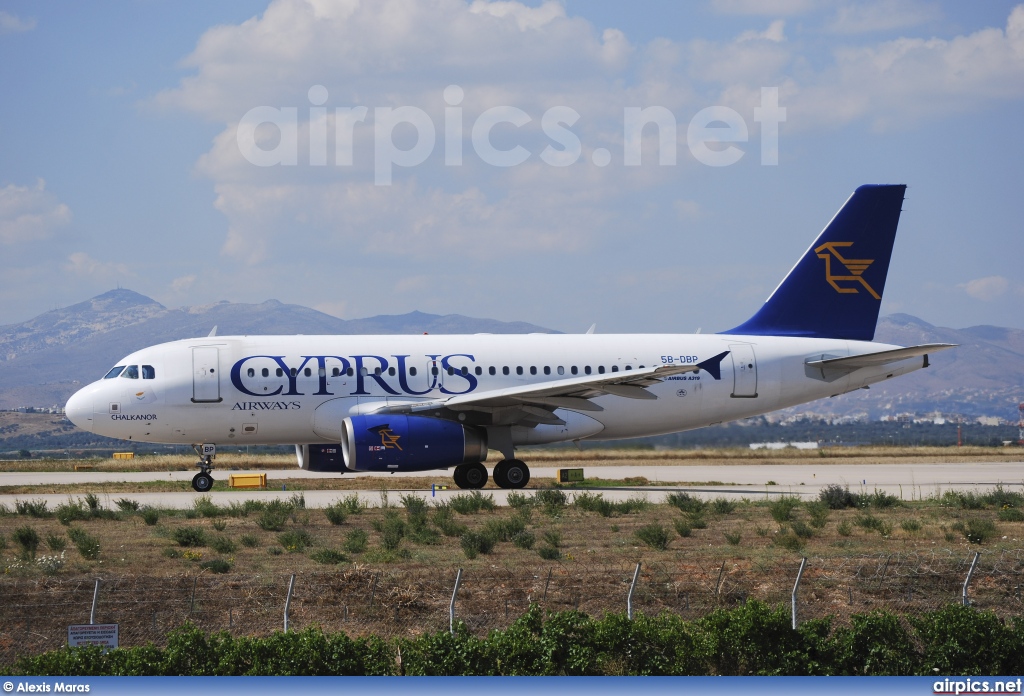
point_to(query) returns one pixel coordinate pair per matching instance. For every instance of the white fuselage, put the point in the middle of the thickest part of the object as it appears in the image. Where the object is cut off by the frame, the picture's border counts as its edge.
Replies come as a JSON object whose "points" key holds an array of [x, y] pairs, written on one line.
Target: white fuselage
{"points": [[242, 390]]}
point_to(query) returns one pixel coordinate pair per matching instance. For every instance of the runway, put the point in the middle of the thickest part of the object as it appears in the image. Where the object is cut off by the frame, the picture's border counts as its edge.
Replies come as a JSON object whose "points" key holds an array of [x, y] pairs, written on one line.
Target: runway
{"points": [[907, 481]]}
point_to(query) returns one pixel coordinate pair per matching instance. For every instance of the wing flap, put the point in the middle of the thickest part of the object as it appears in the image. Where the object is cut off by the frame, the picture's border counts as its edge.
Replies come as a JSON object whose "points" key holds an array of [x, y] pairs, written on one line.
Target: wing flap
{"points": [[856, 362]]}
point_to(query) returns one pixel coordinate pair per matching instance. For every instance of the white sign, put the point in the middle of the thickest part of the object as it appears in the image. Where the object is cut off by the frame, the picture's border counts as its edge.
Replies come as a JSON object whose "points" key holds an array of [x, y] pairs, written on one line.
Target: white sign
{"points": [[209, 450], [93, 634]]}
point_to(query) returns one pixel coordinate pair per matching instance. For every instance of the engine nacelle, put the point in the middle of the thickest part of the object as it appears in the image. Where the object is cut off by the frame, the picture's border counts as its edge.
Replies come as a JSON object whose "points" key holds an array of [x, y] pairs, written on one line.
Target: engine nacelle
{"points": [[408, 443]]}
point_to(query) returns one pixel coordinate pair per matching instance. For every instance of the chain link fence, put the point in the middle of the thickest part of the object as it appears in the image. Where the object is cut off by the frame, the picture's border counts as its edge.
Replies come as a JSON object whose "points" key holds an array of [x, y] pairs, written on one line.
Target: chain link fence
{"points": [[35, 612]]}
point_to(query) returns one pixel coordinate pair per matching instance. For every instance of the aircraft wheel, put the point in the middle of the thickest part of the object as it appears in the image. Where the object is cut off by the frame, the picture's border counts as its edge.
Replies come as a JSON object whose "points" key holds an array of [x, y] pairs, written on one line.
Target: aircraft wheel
{"points": [[460, 477], [517, 474], [500, 475], [476, 475], [202, 482]]}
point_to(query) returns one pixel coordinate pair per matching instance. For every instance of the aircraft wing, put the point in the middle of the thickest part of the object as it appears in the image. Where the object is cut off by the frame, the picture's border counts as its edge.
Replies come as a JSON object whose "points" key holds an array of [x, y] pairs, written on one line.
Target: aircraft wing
{"points": [[855, 362], [535, 402]]}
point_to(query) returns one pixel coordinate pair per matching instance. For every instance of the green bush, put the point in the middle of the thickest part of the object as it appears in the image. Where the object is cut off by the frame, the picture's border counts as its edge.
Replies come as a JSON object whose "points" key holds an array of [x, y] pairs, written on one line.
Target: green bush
{"points": [[697, 521], [328, 556], [28, 539], [549, 553], [786, 540], [733, 538], [683, 527], [336, 513], [205, 507], [1001, 499], [910, 525], [249, 541], [963, 500], [353, 505], [445, 521], [392, 530], [273, 517], [127, 505], [150, 516], [32, 508], [1009, 514], [552, 538], [685, 502], [722, 506], [653, 535], [504, 529], [88, 546], [781, 509], [222, 544], [837, 497], [473, 543], [818, 512], [976, 530], [524, 540], [880, 499], [295, 540], [517, 500], [469, 503], [216, 565], [56, 542], [356, 540], [189, 536], [219, 525], [551, 500], [801, 529]]}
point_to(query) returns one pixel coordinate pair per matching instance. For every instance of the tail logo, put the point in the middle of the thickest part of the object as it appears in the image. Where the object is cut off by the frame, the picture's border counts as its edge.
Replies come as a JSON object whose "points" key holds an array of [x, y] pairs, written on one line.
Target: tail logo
{"points": [[855, 268]]}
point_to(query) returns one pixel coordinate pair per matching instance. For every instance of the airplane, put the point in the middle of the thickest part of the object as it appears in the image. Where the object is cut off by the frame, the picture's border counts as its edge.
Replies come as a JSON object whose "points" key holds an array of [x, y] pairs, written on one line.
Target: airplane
{"points": [[428, 402]]}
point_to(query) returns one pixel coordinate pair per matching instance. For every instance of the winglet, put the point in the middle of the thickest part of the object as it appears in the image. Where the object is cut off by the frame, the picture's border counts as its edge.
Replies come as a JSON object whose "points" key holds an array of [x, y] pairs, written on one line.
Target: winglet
{"points": [[713, 366], [591, 329], [213, 332]]}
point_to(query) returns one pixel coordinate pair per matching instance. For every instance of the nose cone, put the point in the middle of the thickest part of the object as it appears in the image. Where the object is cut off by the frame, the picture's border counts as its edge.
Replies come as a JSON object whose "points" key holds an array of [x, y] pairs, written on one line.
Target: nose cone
{"points": [[79, 409]]}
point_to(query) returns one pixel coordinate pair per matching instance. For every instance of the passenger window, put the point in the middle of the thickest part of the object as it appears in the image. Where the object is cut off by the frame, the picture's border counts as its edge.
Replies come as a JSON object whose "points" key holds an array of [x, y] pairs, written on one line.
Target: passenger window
{"points": [[114, 372], [561, 370], [479, 370], [434, 371], [335, 372], [504, 370], [350, 372], [586, 370], [391, 371], [615, 368], [519, 370], [292, 371], [451, 370], [148, 372], [533, 369], [547, 370], [412, 371], [308, 372], [629, 367], [600, 369], [265, 372], [376, 371], [131, 372], [574, 370], [465, 370], [491, 370], [251, 372], [280, 372]]}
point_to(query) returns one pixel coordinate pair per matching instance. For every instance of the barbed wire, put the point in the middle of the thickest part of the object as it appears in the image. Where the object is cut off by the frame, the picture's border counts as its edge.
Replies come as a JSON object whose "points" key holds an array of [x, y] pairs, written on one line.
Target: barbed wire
{"points": [[389, 602]]}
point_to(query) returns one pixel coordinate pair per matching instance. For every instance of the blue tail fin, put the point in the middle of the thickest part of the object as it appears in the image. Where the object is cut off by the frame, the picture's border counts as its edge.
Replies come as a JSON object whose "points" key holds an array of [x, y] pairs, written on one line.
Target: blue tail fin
{"points": [[835, 289]]}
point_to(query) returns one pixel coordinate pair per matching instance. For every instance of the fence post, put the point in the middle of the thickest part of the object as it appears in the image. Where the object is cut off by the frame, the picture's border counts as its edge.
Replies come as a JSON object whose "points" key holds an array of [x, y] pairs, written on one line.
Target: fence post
{"points": [[95, 596], [546, 583], [796, 586], [451, 605], [967, 582], [192, 602], [629, 597], [288, 601]]}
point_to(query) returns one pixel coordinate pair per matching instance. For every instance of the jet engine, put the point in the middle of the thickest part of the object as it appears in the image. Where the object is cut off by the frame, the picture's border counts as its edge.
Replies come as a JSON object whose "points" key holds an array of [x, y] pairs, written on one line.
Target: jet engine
{"points": [[408, 443]]}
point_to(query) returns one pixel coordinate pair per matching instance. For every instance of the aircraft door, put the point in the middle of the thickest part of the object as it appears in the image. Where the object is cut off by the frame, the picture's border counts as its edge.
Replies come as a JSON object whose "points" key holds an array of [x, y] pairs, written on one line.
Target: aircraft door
{"points": [[205, 375], [744, 371]]}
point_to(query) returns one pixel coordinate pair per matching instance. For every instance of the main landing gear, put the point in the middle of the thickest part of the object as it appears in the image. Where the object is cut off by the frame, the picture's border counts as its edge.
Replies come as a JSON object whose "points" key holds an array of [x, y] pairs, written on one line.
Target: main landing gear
{"points": [[203, 481], [508, 473]]}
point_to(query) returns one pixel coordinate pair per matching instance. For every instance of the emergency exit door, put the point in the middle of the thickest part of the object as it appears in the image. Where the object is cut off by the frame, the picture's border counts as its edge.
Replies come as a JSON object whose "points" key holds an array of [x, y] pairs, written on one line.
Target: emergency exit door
{"points": [[744, 371], [205, 375]]}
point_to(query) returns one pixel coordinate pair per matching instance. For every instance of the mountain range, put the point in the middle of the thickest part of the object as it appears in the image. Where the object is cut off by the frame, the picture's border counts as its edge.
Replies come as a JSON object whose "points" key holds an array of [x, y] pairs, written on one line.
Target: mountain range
{"points": [[45, 359]]}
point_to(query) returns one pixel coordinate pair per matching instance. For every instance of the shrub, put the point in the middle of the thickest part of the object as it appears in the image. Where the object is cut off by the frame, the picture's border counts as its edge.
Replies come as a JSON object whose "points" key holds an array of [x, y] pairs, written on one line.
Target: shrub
{"points": [[222, 544], [205, 507], [190, 536], [504, 529], [632, 504], [552, 538], [683, 527], [549, 553], [56, 542], [126, 505], [976, 530], [275, 550], [517, 500], [1002, 499], [356, 540], [468, 503], [685, 502], [698, 522], [353, 505], [336, 513], [880, 499], [32, 508], [818, 512], [473, 543], [722, 506], [962, 500], [392, 530], [524, 540], [445, 521], [272, 518], [552, 500], [71, 511], [150, 516], [250, 541], [781, 509], [51, 565], [788, 541], [801, 529], [844, 528], [910, 525], [219, 525], [328, 556], [88, 546], [216, 565], [653, 535], [1009, 514], [592, 502], [733, 538], [295, 540], [297, 501], [837, 497], [28, 539]]}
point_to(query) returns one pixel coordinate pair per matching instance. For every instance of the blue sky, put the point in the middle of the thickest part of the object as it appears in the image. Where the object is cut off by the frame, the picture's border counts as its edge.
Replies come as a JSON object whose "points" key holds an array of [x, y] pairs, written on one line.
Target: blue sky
{"points": [[121, 163]]}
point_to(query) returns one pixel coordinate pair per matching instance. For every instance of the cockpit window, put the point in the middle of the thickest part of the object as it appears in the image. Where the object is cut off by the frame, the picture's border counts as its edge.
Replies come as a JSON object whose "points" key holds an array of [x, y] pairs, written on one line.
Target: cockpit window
{"points": [[148, 372], [131, 372], [114, 372]]}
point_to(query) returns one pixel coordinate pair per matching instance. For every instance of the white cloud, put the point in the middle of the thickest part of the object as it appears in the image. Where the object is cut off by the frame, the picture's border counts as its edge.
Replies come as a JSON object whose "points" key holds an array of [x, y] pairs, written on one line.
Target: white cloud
{"points": [[11, 24], [81, 264], [30, 213], [183, 284], [864, 17], [773, 33], [986, 289]]}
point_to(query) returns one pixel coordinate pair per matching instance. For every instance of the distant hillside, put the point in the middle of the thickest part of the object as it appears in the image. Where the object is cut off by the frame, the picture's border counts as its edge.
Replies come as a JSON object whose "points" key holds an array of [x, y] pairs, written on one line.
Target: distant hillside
{"points": [[44, 360]]}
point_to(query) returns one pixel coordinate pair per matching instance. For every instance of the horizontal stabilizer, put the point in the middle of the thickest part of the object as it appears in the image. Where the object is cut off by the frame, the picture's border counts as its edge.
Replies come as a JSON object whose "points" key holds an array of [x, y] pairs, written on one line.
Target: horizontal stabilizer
{"points": [[856, 362]]}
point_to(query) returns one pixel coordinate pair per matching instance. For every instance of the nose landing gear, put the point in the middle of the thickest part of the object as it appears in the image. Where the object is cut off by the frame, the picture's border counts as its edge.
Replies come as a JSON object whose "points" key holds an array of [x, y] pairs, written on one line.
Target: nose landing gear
{"points": [[203, 481]]}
